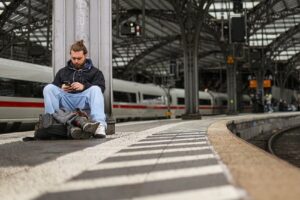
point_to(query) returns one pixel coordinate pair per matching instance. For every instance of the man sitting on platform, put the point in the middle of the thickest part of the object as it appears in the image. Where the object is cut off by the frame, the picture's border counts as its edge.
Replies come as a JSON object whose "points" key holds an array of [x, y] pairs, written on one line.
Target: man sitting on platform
{"points": [[79, 85]]}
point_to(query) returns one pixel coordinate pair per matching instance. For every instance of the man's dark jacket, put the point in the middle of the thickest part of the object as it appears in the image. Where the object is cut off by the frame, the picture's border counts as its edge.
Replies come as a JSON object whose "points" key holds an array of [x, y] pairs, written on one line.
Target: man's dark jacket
{"points": [[88, 75]]}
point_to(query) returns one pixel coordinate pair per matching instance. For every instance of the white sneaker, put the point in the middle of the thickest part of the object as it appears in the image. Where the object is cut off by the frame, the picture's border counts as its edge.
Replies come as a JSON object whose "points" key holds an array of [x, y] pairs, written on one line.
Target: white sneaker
{"points": [[100, 132], [90, 127]]}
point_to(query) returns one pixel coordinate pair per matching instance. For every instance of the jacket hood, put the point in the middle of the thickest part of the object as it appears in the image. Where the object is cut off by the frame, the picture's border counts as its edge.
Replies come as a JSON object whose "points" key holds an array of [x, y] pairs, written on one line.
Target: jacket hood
{"points": [[87, 65]]}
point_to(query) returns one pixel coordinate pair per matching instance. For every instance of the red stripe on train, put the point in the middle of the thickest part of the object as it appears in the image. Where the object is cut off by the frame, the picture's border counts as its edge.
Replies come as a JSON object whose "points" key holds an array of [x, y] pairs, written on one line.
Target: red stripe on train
{"points": [[121, 106], [21, 104], [41, 105], [139, 107]]}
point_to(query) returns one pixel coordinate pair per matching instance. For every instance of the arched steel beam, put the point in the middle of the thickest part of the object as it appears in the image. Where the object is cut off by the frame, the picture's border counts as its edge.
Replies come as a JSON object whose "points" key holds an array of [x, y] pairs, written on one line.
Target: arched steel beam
{"points": [[263, 14], [9, 10], [285, 39], [152, 49], [36, 24], [259, 24], [294, 59], [208, 53], [20, 36], [129, 41], [177, 54], [24, 15], [167, 15], [163, 59], [284, 47], [260, 9]]}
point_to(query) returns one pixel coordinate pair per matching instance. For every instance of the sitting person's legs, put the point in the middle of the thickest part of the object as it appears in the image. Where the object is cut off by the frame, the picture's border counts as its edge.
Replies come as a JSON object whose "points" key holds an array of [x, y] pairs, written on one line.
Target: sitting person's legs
{"points": [[91, 98], [95, 102], [52, 97]]}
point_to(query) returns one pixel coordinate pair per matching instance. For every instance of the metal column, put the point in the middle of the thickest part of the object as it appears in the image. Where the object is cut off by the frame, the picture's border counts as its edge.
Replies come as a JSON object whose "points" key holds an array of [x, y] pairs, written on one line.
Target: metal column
{"points": [[231, 88], [89, 20], [191, 83], [190, 44]]}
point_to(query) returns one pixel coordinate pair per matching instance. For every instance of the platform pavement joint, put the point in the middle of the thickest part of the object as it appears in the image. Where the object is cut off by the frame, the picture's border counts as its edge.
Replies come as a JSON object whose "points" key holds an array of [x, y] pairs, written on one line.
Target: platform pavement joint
{"points": [[174, 163]]}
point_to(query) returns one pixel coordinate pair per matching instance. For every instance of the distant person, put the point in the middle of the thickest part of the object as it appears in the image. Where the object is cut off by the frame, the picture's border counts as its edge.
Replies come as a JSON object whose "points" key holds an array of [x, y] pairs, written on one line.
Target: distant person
{"points": [[79, 85], [281, 105], [269, 102]]}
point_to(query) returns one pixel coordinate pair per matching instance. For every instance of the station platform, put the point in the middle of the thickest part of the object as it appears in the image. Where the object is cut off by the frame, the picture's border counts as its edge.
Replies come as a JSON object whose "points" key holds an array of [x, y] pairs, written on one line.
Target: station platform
{"points": [[165, 159]]}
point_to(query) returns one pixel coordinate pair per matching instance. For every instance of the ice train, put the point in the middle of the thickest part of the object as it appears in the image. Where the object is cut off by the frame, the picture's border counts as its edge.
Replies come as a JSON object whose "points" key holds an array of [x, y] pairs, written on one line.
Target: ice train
{"points": [[21, 99]]}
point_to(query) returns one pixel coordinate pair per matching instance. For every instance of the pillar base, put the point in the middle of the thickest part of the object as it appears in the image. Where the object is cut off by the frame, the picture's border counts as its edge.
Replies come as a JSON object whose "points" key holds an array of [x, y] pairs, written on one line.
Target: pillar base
{"points": [[110, 126], [194, 116]]}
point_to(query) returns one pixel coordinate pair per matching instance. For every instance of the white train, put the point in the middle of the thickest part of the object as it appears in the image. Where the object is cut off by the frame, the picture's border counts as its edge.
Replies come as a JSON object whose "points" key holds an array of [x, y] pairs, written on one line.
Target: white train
{"points": [[21, 99]]}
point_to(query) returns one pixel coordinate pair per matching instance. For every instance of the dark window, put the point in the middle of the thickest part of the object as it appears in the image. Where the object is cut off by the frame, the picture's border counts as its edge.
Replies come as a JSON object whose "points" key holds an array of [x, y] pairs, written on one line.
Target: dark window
{"points": [[224, 102], [180, 101], [204, 102], [246, 103], [18, 88], [124, 97]]}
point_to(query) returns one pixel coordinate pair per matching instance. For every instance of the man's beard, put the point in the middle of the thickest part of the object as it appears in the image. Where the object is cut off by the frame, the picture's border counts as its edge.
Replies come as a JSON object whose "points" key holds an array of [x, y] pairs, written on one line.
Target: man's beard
{"points": [[78, 66]]}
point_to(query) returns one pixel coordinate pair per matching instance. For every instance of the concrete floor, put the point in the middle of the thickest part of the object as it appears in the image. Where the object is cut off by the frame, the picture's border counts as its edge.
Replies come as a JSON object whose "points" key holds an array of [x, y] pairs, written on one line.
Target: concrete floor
{"points": [[143, 160], [167, 159]]}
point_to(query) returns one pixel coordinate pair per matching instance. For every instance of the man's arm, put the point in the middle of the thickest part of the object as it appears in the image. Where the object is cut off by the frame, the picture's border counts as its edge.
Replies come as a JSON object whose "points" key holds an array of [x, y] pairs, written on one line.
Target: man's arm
{"points": [[57, 79], [59, 83], [98, 80]]}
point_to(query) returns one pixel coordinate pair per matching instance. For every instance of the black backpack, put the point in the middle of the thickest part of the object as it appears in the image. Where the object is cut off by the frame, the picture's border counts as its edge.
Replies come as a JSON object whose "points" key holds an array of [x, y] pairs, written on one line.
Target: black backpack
{"points": [[48, 128]]}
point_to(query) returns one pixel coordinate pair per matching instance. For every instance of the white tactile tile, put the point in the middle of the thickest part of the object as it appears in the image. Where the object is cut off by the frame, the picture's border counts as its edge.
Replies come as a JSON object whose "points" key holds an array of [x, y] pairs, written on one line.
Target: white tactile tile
{"points": [[139, 178], [120, 154], [134, 163]]}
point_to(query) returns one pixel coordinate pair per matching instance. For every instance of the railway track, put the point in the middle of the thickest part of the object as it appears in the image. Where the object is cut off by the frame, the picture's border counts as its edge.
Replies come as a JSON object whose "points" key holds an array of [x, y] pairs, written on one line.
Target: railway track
{"points": [[286, 145]]}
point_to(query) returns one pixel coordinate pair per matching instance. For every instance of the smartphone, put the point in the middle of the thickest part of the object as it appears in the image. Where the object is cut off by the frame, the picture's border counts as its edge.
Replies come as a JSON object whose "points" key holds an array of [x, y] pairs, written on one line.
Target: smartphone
{"points": [[67, 83]]}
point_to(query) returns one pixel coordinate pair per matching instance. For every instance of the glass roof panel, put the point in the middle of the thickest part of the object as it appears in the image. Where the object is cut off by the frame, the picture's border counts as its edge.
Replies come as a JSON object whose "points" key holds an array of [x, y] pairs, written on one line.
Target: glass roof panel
{"points": [[268, 24]]}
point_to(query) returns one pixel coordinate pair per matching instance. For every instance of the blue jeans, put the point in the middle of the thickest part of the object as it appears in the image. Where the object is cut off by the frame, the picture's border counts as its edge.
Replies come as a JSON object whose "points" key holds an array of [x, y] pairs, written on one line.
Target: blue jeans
{"points": [[90, 99]]}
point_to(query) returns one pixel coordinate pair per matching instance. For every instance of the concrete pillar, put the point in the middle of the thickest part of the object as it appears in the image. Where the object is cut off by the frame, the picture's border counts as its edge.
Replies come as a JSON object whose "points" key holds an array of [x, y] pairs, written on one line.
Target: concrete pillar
{"points": [[82, 22], [89, 20]]}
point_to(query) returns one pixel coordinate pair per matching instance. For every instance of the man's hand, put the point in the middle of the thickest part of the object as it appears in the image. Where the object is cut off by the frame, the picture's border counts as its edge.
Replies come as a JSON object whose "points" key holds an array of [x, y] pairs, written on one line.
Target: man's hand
{"points": [[66, 88], [76, 86]]}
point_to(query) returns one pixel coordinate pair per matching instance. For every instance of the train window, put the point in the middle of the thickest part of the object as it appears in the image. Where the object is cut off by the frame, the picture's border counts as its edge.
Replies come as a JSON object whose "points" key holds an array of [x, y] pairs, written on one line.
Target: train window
{"points": [[153, 99], [180, 101], [204, 102], [125, 97], [18, 88], [6, 87], [224, 102], [246, 103]]}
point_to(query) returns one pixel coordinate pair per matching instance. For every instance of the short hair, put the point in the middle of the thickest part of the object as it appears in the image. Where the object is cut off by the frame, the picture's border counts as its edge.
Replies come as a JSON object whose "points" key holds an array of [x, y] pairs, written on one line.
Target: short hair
{"points": [[79, 46]]}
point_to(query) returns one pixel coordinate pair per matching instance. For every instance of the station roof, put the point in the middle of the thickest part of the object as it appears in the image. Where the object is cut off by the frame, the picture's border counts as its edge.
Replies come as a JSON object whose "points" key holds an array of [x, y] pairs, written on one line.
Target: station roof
{"points": [[272, 25]]}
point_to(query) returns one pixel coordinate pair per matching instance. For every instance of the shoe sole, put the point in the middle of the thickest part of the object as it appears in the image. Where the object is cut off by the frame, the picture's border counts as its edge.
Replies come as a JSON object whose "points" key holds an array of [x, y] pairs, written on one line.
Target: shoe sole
{"points": [[99, 136], [91, 127], [79, 134]]}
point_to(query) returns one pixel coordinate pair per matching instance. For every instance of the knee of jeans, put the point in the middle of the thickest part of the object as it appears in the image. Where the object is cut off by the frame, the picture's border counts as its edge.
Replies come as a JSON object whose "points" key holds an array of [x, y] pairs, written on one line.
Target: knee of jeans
{"points": [[48, 88], [95, 88]]}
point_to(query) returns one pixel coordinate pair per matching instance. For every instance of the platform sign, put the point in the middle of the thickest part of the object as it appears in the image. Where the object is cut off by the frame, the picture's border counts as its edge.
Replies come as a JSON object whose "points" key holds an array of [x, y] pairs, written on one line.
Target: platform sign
{"points": [[253, 84], [230, 60], [267, 83]]}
